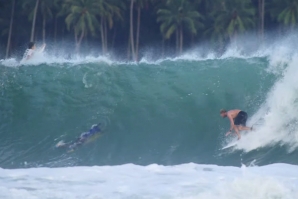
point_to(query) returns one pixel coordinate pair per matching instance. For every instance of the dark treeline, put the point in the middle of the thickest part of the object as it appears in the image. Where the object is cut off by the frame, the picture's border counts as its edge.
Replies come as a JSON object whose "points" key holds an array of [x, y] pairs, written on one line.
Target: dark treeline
{"points": [[131, 25]]}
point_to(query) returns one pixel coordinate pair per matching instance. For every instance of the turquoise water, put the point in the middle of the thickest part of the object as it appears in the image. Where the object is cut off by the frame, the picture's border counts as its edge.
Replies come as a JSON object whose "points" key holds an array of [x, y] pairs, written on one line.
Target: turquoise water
{"points": [[164, 112]]}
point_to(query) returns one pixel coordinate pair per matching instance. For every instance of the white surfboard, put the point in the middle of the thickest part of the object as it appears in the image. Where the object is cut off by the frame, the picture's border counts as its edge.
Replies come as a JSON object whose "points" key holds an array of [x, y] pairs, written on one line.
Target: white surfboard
{"points": [[60, 144], [230, 145]]}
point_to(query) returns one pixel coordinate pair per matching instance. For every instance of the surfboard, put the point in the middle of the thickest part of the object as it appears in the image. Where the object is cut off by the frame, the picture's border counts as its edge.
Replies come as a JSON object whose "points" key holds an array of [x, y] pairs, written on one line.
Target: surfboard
{"points": [[232, 144], [93, 138], [90, 139], [60, 144]]}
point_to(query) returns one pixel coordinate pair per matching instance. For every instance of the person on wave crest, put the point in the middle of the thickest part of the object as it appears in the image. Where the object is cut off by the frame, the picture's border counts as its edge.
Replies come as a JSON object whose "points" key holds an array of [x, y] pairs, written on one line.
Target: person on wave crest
{"points": [[30, 51], [85, 136], [238, 121]]}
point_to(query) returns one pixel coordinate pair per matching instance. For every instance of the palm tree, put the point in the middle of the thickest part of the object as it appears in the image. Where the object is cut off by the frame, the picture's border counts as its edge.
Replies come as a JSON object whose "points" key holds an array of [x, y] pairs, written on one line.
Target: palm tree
{"points": [[140, 5], [217, 35], [236, 16], [134, 42], [213, 31], [81, 18], [178, 16], [46, 7], [10, 29], [108, 10], [28, 5], [131, 31], [34, 20], [57, 12], [286, 12], [261, 8]]}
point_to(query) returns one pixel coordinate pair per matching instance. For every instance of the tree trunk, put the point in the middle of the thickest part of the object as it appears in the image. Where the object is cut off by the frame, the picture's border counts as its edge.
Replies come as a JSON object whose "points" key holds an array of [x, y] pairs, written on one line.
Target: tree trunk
{"points": [[44, 29], [235, 38], [79, 42], [181, 40], [261, 5], [132, 45], [10, 29], [177, 41], [162, 47], [55, 31], [102, 36], [76, 39], [86, 42], [114, 37], [128, 48], [262, 22], [106, 36], [260, 16], [138, 33], [34, 20]]}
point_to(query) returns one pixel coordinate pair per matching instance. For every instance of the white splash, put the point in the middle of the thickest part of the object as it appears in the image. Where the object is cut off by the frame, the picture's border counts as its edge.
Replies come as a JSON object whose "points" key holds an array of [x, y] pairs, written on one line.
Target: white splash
{"points": [[279, 113]]}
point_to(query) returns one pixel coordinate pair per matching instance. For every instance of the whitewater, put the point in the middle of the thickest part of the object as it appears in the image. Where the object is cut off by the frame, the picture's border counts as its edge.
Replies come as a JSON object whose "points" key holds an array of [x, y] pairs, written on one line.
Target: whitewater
{"points": [[163, 134], [152, 181]]}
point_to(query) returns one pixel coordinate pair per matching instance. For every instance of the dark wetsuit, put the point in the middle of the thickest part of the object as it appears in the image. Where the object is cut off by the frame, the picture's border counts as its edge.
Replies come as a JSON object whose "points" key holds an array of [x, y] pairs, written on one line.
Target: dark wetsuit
{"points": [[84, 136], [241, 118]]}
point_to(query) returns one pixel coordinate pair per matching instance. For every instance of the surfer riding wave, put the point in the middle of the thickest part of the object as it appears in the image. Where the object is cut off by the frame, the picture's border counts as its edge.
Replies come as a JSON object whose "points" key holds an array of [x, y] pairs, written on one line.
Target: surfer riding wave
{"points": [[238, 121]]}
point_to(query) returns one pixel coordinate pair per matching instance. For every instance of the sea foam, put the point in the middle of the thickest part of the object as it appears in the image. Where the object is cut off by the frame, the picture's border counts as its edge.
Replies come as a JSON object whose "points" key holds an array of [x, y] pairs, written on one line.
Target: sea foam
{"points": [[152, 181]]}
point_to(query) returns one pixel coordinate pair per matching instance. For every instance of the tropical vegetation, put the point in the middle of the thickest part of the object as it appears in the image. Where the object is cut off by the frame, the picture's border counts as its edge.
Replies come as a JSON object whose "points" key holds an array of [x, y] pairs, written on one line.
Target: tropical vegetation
{"points": [[129, 27]]}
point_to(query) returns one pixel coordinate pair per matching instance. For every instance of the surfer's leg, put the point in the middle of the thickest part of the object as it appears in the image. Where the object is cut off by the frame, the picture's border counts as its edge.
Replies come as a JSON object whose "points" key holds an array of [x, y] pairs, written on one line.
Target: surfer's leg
{"points": [[242, 126], [228, 133], [242, 122], [245, 128]]}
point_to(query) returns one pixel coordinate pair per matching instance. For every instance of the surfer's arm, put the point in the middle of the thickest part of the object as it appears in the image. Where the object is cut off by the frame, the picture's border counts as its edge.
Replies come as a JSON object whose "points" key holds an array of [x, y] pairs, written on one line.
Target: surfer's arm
{"points": [[42, 48], [30, 54], [232, 122]]}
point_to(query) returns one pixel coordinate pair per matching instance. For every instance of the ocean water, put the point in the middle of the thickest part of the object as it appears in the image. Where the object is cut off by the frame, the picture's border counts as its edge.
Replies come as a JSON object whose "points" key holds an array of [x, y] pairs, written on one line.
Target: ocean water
{"points": [[163, 135]]}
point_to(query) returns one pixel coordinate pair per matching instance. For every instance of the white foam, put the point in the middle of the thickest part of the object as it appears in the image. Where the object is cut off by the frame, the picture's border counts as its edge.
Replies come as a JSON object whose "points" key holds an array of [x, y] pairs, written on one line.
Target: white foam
{"points": [[153, 181], [11, 62], [278, 50], [278, 114], [197, 54], [44, 58], [276, 121]]}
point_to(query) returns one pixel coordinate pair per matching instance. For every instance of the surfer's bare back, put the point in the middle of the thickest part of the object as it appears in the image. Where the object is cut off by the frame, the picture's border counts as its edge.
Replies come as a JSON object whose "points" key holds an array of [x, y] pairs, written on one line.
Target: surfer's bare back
{"points": [[238, 120]]}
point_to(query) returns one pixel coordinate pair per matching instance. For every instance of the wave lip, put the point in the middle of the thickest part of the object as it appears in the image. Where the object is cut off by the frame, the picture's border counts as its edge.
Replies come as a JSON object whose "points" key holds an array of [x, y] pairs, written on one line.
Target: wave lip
{"points": [[277, 118]]}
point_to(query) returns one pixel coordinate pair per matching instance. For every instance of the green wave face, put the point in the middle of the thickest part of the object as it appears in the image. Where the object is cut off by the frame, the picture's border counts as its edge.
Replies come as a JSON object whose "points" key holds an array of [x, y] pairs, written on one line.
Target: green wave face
{"points": [[165, 113]]}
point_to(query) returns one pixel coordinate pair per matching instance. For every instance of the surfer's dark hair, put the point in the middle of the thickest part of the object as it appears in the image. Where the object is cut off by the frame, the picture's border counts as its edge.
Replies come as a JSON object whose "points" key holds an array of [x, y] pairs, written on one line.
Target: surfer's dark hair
{"points": [[30, 44], [222, 111]]}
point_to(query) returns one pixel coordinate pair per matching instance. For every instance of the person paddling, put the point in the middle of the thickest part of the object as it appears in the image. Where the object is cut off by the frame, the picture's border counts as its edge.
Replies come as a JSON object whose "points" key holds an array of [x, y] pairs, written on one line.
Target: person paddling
{"points": [[95, 129], [238, 121]]}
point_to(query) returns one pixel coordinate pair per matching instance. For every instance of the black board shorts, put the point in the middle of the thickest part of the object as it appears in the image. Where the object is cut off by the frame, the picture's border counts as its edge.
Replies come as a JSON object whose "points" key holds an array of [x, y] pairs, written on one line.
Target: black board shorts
{"points": [[241, 118]]}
